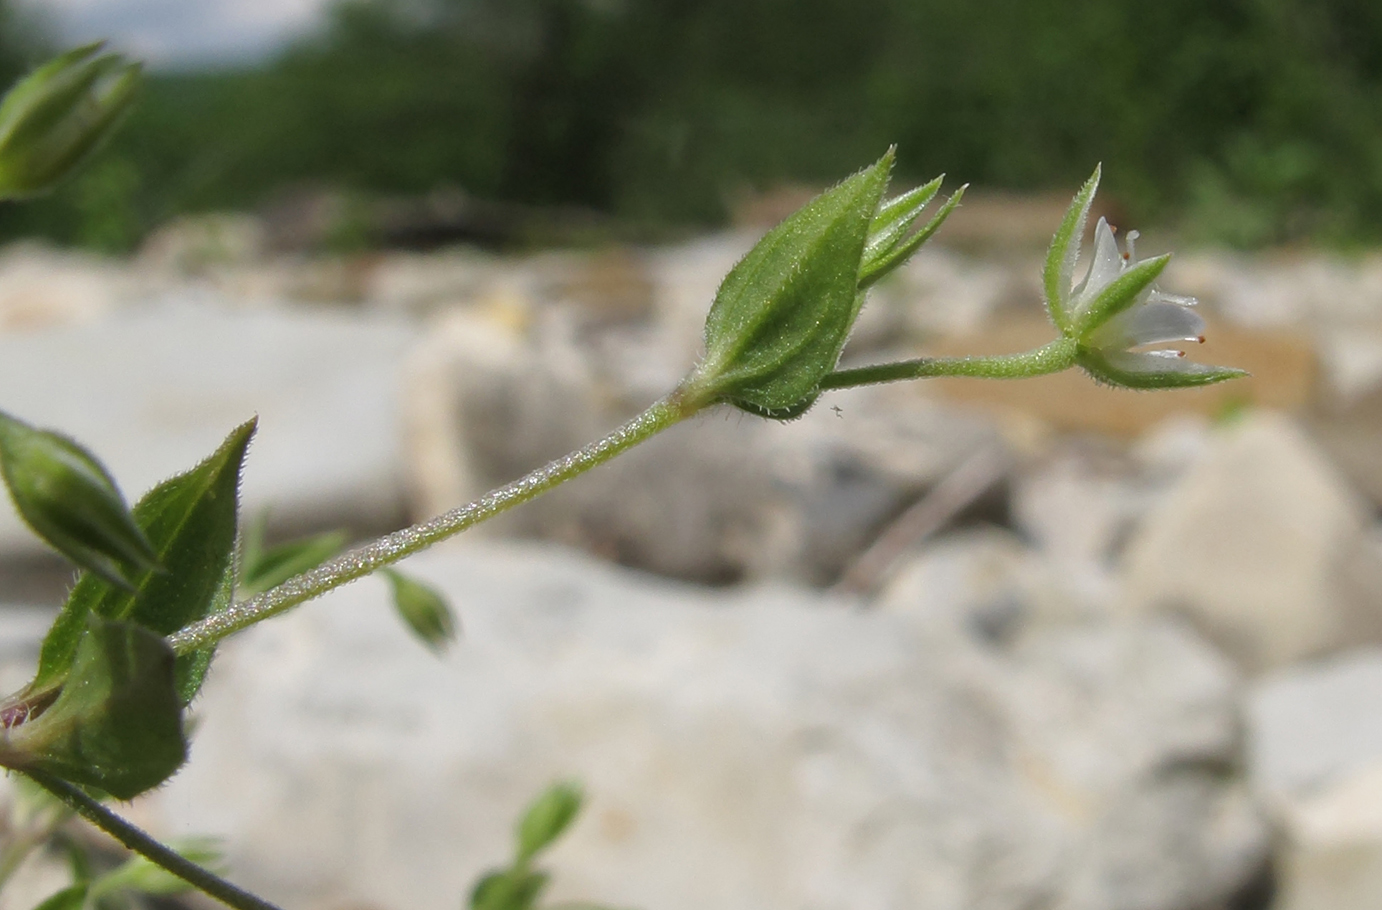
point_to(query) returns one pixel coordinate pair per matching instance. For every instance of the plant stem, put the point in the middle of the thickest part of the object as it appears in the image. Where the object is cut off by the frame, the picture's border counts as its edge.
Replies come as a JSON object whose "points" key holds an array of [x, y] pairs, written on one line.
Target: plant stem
{"points": [[393, 547], [147, 847], [1049, 358]]}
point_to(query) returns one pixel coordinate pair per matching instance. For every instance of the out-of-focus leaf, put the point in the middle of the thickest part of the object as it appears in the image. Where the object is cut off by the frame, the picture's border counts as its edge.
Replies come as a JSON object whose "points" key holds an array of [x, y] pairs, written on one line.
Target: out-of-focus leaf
{"points": [[73, 898], [509, 889], [191, 521], [424, 611], [68, 498], [141, 875], [548, 816], [262, 569]]}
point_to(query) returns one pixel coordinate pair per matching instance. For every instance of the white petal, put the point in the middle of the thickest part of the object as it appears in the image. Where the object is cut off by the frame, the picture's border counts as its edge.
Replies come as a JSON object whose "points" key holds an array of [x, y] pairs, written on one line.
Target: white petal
{"points": [[1152, 362], [1148, 323], [1107, 263], [1177, 299]]}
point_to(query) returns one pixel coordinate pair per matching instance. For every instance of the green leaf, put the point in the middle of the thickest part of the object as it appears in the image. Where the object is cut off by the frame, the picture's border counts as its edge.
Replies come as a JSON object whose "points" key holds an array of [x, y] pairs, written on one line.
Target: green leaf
{"points": [[1058, 276], [508, 889], [548, 816], [191, 521], [68, 498], [73, 898], [262, 569], [783, 314], [424, 611], [117, 724]]}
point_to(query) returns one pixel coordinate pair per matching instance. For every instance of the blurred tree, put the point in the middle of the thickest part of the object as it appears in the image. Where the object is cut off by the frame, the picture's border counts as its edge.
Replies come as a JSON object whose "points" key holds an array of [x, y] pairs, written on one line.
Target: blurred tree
{"points": [[1252, 120]]}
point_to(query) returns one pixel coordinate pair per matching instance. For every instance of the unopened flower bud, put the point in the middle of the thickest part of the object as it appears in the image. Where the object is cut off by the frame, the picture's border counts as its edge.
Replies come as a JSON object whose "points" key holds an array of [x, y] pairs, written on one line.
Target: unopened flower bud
{"points": [[58, 114], [70, 500]]}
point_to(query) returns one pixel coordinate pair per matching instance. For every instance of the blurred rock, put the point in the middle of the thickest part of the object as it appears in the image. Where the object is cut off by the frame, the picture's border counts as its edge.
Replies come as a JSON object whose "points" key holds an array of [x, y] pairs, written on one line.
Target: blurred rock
{"points": [[193, 244], [45, 288], [1286, 289], [154, 391], [1264, 546], [1347, 420], [768, 749], [1316, 759]]}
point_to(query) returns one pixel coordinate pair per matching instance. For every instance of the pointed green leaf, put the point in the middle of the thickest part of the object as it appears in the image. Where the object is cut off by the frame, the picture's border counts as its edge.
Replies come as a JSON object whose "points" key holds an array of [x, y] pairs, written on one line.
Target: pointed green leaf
{"points": [[73, 898], [548, 816], [191, 521], [783, 314], [1058, 277], [424, 610], [262, 569], [68, 498], [117, 724]]}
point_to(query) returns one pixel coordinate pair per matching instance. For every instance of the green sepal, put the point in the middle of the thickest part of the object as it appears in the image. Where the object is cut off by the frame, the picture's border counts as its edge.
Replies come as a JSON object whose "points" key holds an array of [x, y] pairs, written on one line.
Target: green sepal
{"points": [[1058, 275], [1139, 371], [1121, 293], [73, 898], [508, 889], [191, 522], [877, 266], [423, 610], [69, 499], [59, 114], [262, 569], [547, 818], [117, 724], [783, 314], [894, 219]]}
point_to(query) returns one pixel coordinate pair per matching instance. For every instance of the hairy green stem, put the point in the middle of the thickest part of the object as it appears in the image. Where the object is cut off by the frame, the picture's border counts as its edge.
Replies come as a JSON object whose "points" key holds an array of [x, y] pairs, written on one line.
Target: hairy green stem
{"points": [[393, 547], [1049, 358], [141, 843]]}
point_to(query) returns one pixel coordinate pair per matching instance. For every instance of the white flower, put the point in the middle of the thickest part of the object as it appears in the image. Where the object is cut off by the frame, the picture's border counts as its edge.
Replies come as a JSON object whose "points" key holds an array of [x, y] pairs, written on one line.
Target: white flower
{"points": [[1115, 310]]}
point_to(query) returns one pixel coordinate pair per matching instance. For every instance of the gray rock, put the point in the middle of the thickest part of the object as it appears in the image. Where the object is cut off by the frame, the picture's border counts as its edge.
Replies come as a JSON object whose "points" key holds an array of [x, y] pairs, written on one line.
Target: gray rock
{"points": [[763, 749], [1264, 546], [1316, 760], [155, 390]]}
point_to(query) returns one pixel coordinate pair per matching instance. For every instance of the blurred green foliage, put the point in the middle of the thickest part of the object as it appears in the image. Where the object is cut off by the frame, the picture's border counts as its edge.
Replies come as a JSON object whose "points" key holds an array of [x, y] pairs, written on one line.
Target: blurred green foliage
{"points": [[1248, 121]]}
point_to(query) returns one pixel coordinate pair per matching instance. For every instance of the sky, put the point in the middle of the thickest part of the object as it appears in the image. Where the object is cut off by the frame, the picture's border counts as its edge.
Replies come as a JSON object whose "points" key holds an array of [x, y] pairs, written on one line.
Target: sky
{"points": [[183, 33]]}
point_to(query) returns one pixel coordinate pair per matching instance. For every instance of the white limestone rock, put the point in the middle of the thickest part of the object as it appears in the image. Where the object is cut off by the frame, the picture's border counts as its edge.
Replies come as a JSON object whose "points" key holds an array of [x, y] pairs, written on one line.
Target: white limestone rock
{"points": [[1263, 546], [761, 749]]}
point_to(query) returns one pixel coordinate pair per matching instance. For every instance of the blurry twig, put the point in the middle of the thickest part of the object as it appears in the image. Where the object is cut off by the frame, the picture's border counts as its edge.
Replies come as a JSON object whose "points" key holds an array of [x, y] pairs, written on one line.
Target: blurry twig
{"points": [[973, 477]]}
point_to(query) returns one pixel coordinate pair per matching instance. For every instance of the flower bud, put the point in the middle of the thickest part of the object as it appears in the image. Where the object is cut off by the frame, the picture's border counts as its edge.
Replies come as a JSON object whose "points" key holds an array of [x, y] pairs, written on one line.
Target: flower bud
{"points": [[783, 314], [69, 499], [58, 114], [423, 610]]}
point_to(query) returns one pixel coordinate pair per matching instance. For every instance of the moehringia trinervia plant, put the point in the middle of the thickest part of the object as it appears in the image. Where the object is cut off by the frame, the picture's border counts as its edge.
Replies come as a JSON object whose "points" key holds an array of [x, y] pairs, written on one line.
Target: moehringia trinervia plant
{"points": [[103, 716]]}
